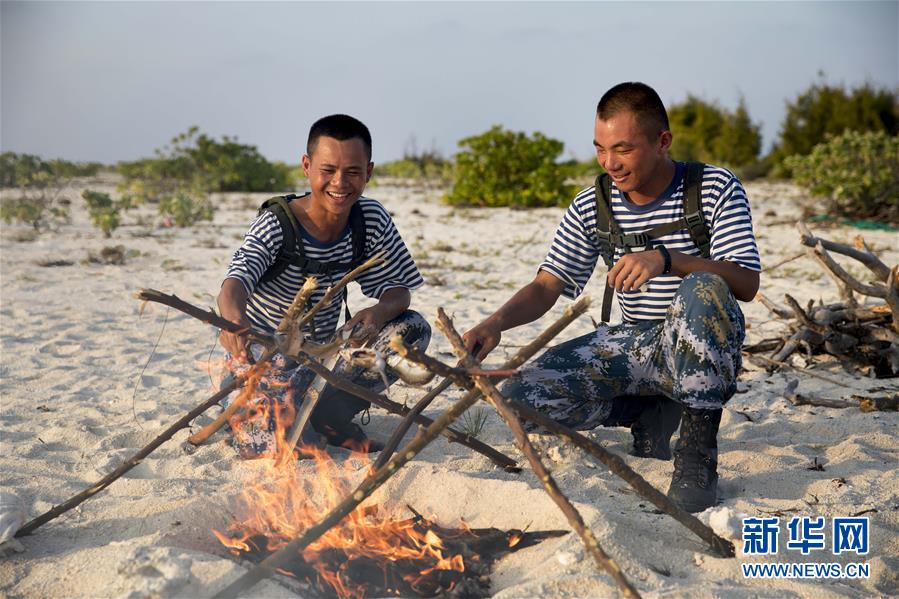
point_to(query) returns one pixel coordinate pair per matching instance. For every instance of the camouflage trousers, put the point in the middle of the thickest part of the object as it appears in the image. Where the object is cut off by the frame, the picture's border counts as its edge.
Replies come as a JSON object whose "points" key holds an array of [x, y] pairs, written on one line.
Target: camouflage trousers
{"points": [[692, 356], [286, 384]]}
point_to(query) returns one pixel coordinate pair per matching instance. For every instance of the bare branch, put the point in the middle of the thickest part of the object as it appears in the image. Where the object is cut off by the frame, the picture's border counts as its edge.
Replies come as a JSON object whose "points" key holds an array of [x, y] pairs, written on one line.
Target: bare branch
{"points": [[865, 256]]}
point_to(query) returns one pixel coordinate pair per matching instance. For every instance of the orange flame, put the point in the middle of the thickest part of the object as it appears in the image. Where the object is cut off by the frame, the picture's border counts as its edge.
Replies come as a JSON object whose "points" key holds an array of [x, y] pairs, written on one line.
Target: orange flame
{"points": [[286, 501]]}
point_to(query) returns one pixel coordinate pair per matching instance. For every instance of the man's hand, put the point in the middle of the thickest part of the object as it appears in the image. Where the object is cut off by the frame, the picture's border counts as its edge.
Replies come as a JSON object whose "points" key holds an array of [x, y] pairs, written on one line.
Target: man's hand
{"points": [[365, 325], [232, 303], [482, 339], [634, 269], [236, 345]]}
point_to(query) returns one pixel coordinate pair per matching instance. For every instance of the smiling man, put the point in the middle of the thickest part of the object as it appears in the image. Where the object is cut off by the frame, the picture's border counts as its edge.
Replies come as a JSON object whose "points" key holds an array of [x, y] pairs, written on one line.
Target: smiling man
{"points": [[324, 233], [678, 243]]}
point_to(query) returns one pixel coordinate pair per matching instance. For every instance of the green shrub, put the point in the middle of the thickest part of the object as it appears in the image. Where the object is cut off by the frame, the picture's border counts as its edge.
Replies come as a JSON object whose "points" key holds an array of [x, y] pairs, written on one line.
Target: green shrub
{"points": [[506, 168], [196, 164], [185, 210], [35, 212], [858, 172], [104, 212], [399, 169], [28, 170], [825, 110], [707, 132]]}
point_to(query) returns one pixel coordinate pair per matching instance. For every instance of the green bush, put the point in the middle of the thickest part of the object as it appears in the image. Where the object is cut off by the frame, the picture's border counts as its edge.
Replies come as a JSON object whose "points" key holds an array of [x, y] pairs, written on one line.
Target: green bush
{"points": [[858, 172], [506, 168], [104, 212], [185, 210], [195, 164], [399, 169], [826, 110], [28, 170], [36, 212], [707, 132]]}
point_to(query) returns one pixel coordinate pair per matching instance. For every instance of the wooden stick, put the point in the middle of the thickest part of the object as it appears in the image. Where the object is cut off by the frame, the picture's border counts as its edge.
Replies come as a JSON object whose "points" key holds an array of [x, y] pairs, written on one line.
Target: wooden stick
{"points": [[602, 559], [374, 481], [400, 431], [866, 257], [753, 358], [313, 394], [772, 307], [616, 465], [411, 353], [498, 458], [344, 281], [875, 290], [128, 464], [822, 402], [776, 265], [286, 326]]}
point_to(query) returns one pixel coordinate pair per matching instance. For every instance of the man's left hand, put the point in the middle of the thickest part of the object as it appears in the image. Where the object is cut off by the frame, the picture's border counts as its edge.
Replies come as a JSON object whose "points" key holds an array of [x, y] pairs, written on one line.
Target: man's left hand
{"points": [[634, 269]]}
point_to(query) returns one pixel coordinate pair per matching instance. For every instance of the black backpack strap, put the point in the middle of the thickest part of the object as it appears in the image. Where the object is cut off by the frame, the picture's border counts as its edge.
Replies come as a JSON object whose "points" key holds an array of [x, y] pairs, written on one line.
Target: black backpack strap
{"points": [[357, 231], [607, 235], [290, 249], [695, 221]]}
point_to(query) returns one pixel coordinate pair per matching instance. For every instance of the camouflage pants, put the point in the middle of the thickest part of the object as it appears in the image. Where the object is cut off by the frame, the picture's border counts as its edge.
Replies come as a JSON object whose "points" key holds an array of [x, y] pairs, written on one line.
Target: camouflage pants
{"points": [[287, 383], [692, 356]]}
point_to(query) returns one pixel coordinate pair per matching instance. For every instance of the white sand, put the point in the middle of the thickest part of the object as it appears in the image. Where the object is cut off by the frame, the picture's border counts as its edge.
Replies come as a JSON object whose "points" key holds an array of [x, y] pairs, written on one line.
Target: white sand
{"points": [[74, 344]]}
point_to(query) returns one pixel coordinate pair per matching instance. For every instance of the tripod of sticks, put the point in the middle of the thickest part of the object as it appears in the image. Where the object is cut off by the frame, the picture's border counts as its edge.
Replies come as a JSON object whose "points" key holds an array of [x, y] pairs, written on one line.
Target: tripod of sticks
{"points": [[289, 341]]}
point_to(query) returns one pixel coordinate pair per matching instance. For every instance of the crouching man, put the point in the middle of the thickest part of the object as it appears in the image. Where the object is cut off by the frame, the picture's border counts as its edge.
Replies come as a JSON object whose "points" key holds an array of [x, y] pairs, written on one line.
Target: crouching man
{"points": [[325, 233], [677, 240]]}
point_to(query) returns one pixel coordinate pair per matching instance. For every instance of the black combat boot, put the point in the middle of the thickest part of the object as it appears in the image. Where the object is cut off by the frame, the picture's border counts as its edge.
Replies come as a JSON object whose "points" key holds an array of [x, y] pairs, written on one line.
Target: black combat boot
{"points": [[653, 429], [694, 485], [652, 420]]}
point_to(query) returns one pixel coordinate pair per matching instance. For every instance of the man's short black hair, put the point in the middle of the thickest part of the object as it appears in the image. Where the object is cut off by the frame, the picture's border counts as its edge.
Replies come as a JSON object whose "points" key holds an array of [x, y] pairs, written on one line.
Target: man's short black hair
{"points": [[638, 98], [341, 127]]}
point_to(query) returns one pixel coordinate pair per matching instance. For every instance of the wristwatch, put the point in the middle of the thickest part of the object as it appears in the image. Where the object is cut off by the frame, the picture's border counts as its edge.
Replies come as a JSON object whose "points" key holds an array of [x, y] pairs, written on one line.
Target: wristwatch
{"points": [[667, 256]]}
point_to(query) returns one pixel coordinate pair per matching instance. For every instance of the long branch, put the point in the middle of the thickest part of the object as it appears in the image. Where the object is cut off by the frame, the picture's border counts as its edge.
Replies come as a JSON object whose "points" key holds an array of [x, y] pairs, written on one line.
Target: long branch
{"points": [[498, 458], [602, 559], [616, 466], [874, 264], [128, 464], [375, 480]]}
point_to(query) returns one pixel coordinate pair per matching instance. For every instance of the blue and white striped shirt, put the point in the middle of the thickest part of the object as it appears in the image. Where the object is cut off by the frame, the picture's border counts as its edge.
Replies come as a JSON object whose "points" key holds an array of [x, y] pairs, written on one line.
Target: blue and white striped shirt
{"points": [[269, 301], [574, 251]]}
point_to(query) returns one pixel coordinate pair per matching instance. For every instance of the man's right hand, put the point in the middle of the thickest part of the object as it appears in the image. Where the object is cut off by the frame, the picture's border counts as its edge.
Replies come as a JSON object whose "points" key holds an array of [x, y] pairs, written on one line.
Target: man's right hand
{"points": [[236, 345], [232, 303], [482, 339]]}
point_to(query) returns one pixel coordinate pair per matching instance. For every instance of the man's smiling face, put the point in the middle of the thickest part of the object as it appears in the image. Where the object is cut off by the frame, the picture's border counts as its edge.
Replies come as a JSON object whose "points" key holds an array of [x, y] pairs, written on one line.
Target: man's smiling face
{"points": [[337, 172]]}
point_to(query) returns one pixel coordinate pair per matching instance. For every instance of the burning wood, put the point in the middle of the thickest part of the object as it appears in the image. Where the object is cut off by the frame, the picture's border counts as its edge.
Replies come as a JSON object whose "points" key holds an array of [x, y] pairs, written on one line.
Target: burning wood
{"points": [[412, 557], [863, 337]]}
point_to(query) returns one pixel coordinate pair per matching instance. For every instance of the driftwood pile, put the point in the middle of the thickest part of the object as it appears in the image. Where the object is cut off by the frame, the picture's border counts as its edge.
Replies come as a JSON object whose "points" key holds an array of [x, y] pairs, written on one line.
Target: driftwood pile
{"points": [[864, 338]]}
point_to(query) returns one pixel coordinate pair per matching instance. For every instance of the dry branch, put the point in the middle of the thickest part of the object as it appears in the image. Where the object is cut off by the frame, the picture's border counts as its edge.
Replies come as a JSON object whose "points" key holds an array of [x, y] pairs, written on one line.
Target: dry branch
{"points": [[602, 559], [375, 480], [616, 465], [128, 464], [498, 458]]}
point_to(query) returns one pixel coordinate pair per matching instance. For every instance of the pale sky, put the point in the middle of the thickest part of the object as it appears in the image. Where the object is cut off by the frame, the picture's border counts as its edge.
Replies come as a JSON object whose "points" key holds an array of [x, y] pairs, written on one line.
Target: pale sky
{"points": [[111, 81]]}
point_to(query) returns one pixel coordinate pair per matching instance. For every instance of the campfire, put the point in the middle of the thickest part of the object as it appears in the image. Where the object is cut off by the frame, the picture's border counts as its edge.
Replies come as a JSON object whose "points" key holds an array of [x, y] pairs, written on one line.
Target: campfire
{"points": [[316, 528], [368, 553]]}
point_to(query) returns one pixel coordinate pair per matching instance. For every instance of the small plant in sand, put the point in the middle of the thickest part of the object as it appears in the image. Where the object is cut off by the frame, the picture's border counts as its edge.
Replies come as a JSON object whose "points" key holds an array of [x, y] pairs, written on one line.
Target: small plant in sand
{"points": [[104, 212], [185, 210], [857, 172], [473, 422], [507, 168], [41, 204]]}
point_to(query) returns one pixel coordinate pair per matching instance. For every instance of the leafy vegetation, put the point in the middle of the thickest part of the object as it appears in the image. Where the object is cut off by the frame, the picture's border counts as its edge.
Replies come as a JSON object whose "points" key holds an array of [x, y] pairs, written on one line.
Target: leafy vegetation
{"points": [[858, 172], [105, 213], [707, 132], [194, 164], [827, 110], [507, 168], [183, 210], [42, 204], [428, 165], [30, 171]]}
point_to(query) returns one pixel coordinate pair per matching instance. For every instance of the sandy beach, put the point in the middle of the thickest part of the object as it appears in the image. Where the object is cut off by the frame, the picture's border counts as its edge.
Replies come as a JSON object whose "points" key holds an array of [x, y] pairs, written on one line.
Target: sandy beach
{"points": [[78, 396]]}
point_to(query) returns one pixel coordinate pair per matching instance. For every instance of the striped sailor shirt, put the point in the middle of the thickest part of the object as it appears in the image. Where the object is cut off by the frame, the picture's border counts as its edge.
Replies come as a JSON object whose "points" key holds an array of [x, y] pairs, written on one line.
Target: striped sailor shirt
{"points": [[574, 251], [269, 301]]}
